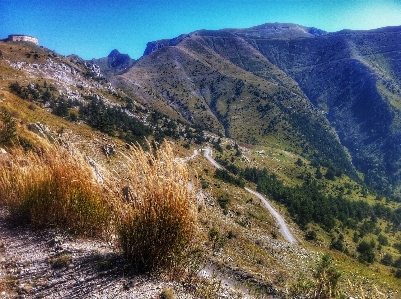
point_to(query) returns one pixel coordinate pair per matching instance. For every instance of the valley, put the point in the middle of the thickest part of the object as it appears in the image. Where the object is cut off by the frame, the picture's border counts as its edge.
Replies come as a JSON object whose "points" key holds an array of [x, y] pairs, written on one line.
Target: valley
{"points": [[286, 136]]}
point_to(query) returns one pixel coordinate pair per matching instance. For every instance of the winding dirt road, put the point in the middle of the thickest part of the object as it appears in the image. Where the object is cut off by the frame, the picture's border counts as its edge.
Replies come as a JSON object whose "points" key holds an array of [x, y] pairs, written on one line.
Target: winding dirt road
{"points": [[284, 230]]}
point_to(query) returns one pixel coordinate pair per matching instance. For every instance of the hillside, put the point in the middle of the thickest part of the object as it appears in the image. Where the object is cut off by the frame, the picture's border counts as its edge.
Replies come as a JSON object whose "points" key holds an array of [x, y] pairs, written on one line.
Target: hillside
{"points": [[209, 91], [200, 80], [354, 77], [307, 90]]}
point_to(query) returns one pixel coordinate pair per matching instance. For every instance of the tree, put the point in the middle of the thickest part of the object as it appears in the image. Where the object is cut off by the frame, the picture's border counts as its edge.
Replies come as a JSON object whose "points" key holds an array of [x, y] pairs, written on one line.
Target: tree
{"points": [[7, 127], [398, 273], [330, 174], [299, 162], [15, 88], [60, 108], [387, 259], [382, 240], [318, 174], [366, 252]]}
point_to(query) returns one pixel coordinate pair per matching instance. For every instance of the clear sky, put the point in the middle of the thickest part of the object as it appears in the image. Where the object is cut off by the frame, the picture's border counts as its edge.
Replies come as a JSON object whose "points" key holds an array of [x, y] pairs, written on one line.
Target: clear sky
{"points": [[92, 28]]}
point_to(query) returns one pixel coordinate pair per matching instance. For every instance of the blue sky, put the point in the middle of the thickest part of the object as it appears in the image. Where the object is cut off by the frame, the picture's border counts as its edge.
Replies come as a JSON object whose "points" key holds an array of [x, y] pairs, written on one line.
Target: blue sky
{"points": [[92, 28]]}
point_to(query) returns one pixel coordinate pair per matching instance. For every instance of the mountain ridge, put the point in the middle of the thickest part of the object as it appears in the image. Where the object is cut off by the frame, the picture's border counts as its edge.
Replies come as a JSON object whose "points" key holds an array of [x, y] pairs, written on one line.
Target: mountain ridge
{"points": [[350, 76]]}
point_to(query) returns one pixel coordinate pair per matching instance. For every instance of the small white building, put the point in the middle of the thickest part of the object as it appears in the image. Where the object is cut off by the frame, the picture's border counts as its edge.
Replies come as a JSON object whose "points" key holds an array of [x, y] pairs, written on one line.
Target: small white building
{"points": [[23, 38]]}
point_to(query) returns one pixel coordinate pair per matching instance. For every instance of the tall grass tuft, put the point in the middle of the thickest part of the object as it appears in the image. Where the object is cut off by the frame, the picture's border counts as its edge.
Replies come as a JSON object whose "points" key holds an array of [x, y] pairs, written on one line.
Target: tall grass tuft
{"points": [[52, 188], [157, 219]]}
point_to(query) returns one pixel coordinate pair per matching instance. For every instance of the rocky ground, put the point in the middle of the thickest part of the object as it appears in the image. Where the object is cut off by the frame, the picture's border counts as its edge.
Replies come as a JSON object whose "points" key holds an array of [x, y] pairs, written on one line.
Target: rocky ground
{"points": [[50, 264]]}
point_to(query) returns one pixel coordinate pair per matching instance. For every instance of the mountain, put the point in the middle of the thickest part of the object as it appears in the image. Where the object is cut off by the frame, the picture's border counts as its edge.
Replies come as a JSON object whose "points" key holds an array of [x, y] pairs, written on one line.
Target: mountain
{"points": [[354, 77], [335, 97], [221, 83], [115, 63]]}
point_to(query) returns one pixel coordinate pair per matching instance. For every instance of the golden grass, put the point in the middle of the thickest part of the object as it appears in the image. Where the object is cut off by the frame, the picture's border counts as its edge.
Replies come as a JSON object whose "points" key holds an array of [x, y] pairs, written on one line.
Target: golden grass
{"points": [[157, 219], [52, 188], [154, 220]]}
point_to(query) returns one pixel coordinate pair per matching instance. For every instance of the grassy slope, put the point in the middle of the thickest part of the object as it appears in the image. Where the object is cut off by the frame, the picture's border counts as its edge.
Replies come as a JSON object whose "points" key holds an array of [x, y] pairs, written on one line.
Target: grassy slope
{"points": [[220, 82]]}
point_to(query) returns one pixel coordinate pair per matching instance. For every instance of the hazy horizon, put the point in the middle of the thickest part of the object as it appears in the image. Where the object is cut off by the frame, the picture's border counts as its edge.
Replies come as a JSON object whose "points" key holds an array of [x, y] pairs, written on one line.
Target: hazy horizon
{"points": [[91, 29]]}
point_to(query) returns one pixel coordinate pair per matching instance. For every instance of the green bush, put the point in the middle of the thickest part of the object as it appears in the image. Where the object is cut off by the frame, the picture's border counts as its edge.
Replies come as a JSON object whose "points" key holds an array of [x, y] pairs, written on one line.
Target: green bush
{"points": [[382, 240], [311, 235], [366, 252], [387, 259], [398, 273], [325, 283]]}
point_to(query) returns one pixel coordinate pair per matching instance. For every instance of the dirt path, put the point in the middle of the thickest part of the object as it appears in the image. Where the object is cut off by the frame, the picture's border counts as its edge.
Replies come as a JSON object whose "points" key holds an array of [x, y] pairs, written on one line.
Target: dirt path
{"points": [[284, 230]]}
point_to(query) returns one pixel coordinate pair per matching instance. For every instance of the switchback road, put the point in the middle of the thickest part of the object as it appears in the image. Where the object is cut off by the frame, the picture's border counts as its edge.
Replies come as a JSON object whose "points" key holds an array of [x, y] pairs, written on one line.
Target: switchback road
{"points": [[284, 230]]}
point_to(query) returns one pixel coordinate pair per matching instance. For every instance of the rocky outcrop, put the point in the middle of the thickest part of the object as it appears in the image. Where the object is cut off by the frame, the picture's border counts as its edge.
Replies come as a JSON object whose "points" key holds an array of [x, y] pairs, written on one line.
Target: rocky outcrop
{"points": [[155, 45], [42, 130], [109, 150], [116, 59]]}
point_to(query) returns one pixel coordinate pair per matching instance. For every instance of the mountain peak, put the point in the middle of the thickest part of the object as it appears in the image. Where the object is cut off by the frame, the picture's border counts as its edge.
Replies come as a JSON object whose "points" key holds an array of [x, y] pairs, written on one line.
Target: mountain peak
{"points": [[114, 53], [116, 59], [278, 30], [115, 63]]}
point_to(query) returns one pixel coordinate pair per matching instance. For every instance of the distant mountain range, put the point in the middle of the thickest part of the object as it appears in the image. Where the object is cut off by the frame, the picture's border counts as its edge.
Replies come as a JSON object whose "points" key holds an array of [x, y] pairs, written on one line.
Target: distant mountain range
{"points": [[335, 97]]}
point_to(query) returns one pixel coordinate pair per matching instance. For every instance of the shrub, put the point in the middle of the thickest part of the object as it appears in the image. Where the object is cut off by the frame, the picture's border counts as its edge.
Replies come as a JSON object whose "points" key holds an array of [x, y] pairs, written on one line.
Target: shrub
{"points": [[397, 263], [216, 238], [167, 294], [7, 126], [387, 259], [52, 188], [327, 278], [366, 252], [324, 285], [338, 244], [397, 246], [311, 235], [224, 201], [61, 260], [156, 223], [398, 273], [382, 240]]}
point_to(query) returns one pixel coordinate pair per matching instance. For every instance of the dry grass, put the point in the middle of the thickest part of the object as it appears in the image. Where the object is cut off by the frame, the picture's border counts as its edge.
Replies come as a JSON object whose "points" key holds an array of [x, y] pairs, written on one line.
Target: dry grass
{"points": [[52, 188], [358, 291], [156, 221]]}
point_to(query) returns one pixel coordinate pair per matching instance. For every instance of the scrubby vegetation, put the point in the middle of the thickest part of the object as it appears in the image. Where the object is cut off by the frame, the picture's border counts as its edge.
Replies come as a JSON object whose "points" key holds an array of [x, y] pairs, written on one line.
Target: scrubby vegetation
{"points": [[323, 286], [52, 187], [154, 218], [112, 120], [157, 221], [7, 127]]}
